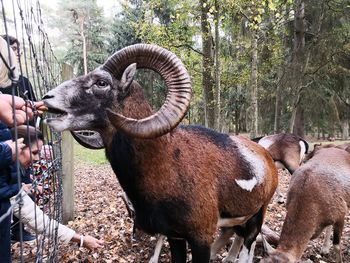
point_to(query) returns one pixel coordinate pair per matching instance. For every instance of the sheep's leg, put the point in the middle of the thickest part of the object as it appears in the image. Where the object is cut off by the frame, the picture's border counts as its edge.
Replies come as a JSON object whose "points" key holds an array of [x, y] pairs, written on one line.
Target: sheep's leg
{"points": [[249, 232], [327, 241], [234, 250], [280, 196], [200, 252], [267, 247], [155, 257], [270, 236], [337, 233], [178, 250], [247, 254], [223, 238]]}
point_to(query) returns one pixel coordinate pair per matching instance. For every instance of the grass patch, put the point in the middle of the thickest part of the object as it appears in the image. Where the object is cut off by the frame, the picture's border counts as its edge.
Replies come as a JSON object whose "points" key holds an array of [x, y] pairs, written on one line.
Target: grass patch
{"points": [[82, 154]]}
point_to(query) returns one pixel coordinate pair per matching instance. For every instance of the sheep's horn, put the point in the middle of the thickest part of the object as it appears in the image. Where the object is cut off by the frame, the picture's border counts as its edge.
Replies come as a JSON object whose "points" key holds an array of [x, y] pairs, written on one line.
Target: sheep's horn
{"points": [[92, 141], [176, 78]]}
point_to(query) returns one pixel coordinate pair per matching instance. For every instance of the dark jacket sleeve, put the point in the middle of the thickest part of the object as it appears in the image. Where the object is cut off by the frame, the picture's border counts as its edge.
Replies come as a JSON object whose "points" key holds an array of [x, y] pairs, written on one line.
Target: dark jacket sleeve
{"points": [[5, 133], [27, 87], [7, 190], [5, 155]]}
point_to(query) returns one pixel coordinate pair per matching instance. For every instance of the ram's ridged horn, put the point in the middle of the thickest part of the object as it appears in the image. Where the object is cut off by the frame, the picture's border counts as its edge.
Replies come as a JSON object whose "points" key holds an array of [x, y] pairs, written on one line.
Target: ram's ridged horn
{"points": [[92, 141], [176, 78]]}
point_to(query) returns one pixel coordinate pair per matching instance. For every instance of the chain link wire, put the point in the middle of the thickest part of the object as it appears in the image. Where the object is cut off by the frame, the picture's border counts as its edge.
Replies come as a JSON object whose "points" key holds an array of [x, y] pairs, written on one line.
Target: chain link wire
{"points": [[41, 66]]}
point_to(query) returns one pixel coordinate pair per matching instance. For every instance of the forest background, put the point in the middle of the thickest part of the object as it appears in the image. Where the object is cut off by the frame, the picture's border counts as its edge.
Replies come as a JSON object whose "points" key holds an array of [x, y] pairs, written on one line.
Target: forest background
{"points": [[257, 67]]}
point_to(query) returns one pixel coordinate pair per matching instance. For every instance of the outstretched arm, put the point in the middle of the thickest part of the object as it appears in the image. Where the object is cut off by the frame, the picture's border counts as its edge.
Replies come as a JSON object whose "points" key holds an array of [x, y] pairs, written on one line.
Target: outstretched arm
{"points": [[33, 217]]}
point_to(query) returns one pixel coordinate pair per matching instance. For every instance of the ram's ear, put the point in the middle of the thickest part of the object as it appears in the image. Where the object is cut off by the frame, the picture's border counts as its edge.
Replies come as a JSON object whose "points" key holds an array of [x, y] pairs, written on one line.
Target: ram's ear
{"points": [[127, 78]]}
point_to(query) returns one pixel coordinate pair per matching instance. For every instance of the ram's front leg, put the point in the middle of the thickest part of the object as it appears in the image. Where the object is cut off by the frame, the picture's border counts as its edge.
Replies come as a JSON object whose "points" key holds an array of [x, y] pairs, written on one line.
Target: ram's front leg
{"points": [[158, 248]]}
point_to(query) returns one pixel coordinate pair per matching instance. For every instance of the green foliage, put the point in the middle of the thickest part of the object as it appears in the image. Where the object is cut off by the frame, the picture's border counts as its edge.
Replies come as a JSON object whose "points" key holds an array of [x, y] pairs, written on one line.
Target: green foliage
{"points": [[122, 30], [83, 18], [176, 25]]}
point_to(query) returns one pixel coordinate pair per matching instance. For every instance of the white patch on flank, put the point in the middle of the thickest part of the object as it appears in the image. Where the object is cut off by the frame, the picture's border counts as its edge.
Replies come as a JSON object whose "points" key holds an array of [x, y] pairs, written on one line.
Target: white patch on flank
{"points": [[256, 163], [266, 142], [247, 184], [302, 150]]}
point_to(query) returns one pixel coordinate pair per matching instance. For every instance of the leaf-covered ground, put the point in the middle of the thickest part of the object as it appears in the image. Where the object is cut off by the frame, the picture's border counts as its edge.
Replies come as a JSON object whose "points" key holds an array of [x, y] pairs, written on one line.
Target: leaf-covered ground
{"points": [[100, 211]]}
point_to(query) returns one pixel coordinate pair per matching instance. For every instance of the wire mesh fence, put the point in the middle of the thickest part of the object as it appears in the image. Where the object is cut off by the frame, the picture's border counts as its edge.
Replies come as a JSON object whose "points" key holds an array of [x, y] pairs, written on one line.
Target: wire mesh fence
{"points": [[38, 71]]}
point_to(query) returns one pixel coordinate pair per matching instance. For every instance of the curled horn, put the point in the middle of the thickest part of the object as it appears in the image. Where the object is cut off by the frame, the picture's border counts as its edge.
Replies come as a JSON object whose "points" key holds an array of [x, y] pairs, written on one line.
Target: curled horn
{"points": [[176, 78], [93, 141]]}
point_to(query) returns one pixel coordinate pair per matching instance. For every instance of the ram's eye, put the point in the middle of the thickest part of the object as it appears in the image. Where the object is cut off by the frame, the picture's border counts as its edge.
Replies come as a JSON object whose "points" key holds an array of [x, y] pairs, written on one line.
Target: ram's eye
{"points": [[101, 83]]}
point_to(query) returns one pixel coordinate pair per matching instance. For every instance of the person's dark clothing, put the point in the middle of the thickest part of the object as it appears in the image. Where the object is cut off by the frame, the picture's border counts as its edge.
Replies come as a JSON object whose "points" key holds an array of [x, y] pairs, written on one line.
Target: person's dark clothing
{"points": [[8, 174], [6, 191], [5, 133], [5, 235], [9, 187], [24, 87]]}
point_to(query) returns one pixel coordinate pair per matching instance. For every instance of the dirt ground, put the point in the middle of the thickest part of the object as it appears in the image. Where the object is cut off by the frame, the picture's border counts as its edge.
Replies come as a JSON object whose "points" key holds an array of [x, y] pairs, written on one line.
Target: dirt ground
{"points": [[100, 212]]}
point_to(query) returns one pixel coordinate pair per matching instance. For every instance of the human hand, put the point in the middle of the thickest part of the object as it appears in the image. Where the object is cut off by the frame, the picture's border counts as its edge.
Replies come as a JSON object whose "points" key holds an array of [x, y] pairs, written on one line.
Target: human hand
{"points": [[92, 243], [40, 107], [27, 188], [22, 110], [12, 145], [38, 190]]}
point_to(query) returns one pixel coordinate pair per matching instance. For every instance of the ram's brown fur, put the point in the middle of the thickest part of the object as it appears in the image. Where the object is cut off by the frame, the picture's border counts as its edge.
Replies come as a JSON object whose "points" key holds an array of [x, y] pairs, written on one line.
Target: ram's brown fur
{"points": [[180, 180], [319, 196]]}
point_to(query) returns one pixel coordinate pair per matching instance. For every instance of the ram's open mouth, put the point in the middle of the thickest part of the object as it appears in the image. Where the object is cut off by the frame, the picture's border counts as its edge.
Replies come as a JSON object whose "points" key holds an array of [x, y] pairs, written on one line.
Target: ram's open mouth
{"points": [[58, 112]]}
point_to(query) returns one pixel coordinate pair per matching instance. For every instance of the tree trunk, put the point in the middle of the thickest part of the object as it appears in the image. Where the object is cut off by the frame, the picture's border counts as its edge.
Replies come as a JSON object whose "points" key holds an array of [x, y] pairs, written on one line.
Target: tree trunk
{"points": [[297, 119], [217, 67], [278, 104], [208, 63], [84, 44], [254, 87], [282, 76], [345, 129], [299, 124]]}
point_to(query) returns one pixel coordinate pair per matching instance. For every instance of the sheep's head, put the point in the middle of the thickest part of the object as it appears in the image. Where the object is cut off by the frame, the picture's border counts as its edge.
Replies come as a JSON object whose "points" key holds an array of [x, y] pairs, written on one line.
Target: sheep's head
{"points": [[78, 101], [92, 101]]}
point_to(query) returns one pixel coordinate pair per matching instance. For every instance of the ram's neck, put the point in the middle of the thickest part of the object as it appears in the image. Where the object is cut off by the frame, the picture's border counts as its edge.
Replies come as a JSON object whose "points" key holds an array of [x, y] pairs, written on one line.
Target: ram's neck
{"points": [[128, 158]]}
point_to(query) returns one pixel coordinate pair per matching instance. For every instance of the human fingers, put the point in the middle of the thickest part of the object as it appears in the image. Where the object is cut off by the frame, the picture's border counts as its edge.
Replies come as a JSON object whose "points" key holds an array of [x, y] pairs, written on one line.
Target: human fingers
{"points": [[20, 143], [40, 107], [6, 116], [18, 102], [92, 243], [20, 117], [12, 144], [39, 104], [100, 242], [28, 110], [27, 187]]}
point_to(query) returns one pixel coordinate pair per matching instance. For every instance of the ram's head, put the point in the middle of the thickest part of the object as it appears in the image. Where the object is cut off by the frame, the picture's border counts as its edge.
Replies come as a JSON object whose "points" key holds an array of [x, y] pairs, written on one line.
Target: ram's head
{"points": [[96, 100]]}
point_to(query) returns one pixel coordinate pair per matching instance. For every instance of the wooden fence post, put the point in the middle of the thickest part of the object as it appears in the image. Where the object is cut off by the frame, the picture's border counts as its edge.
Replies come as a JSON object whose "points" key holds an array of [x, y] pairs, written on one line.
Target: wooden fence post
{"points": [[67, 163]]}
